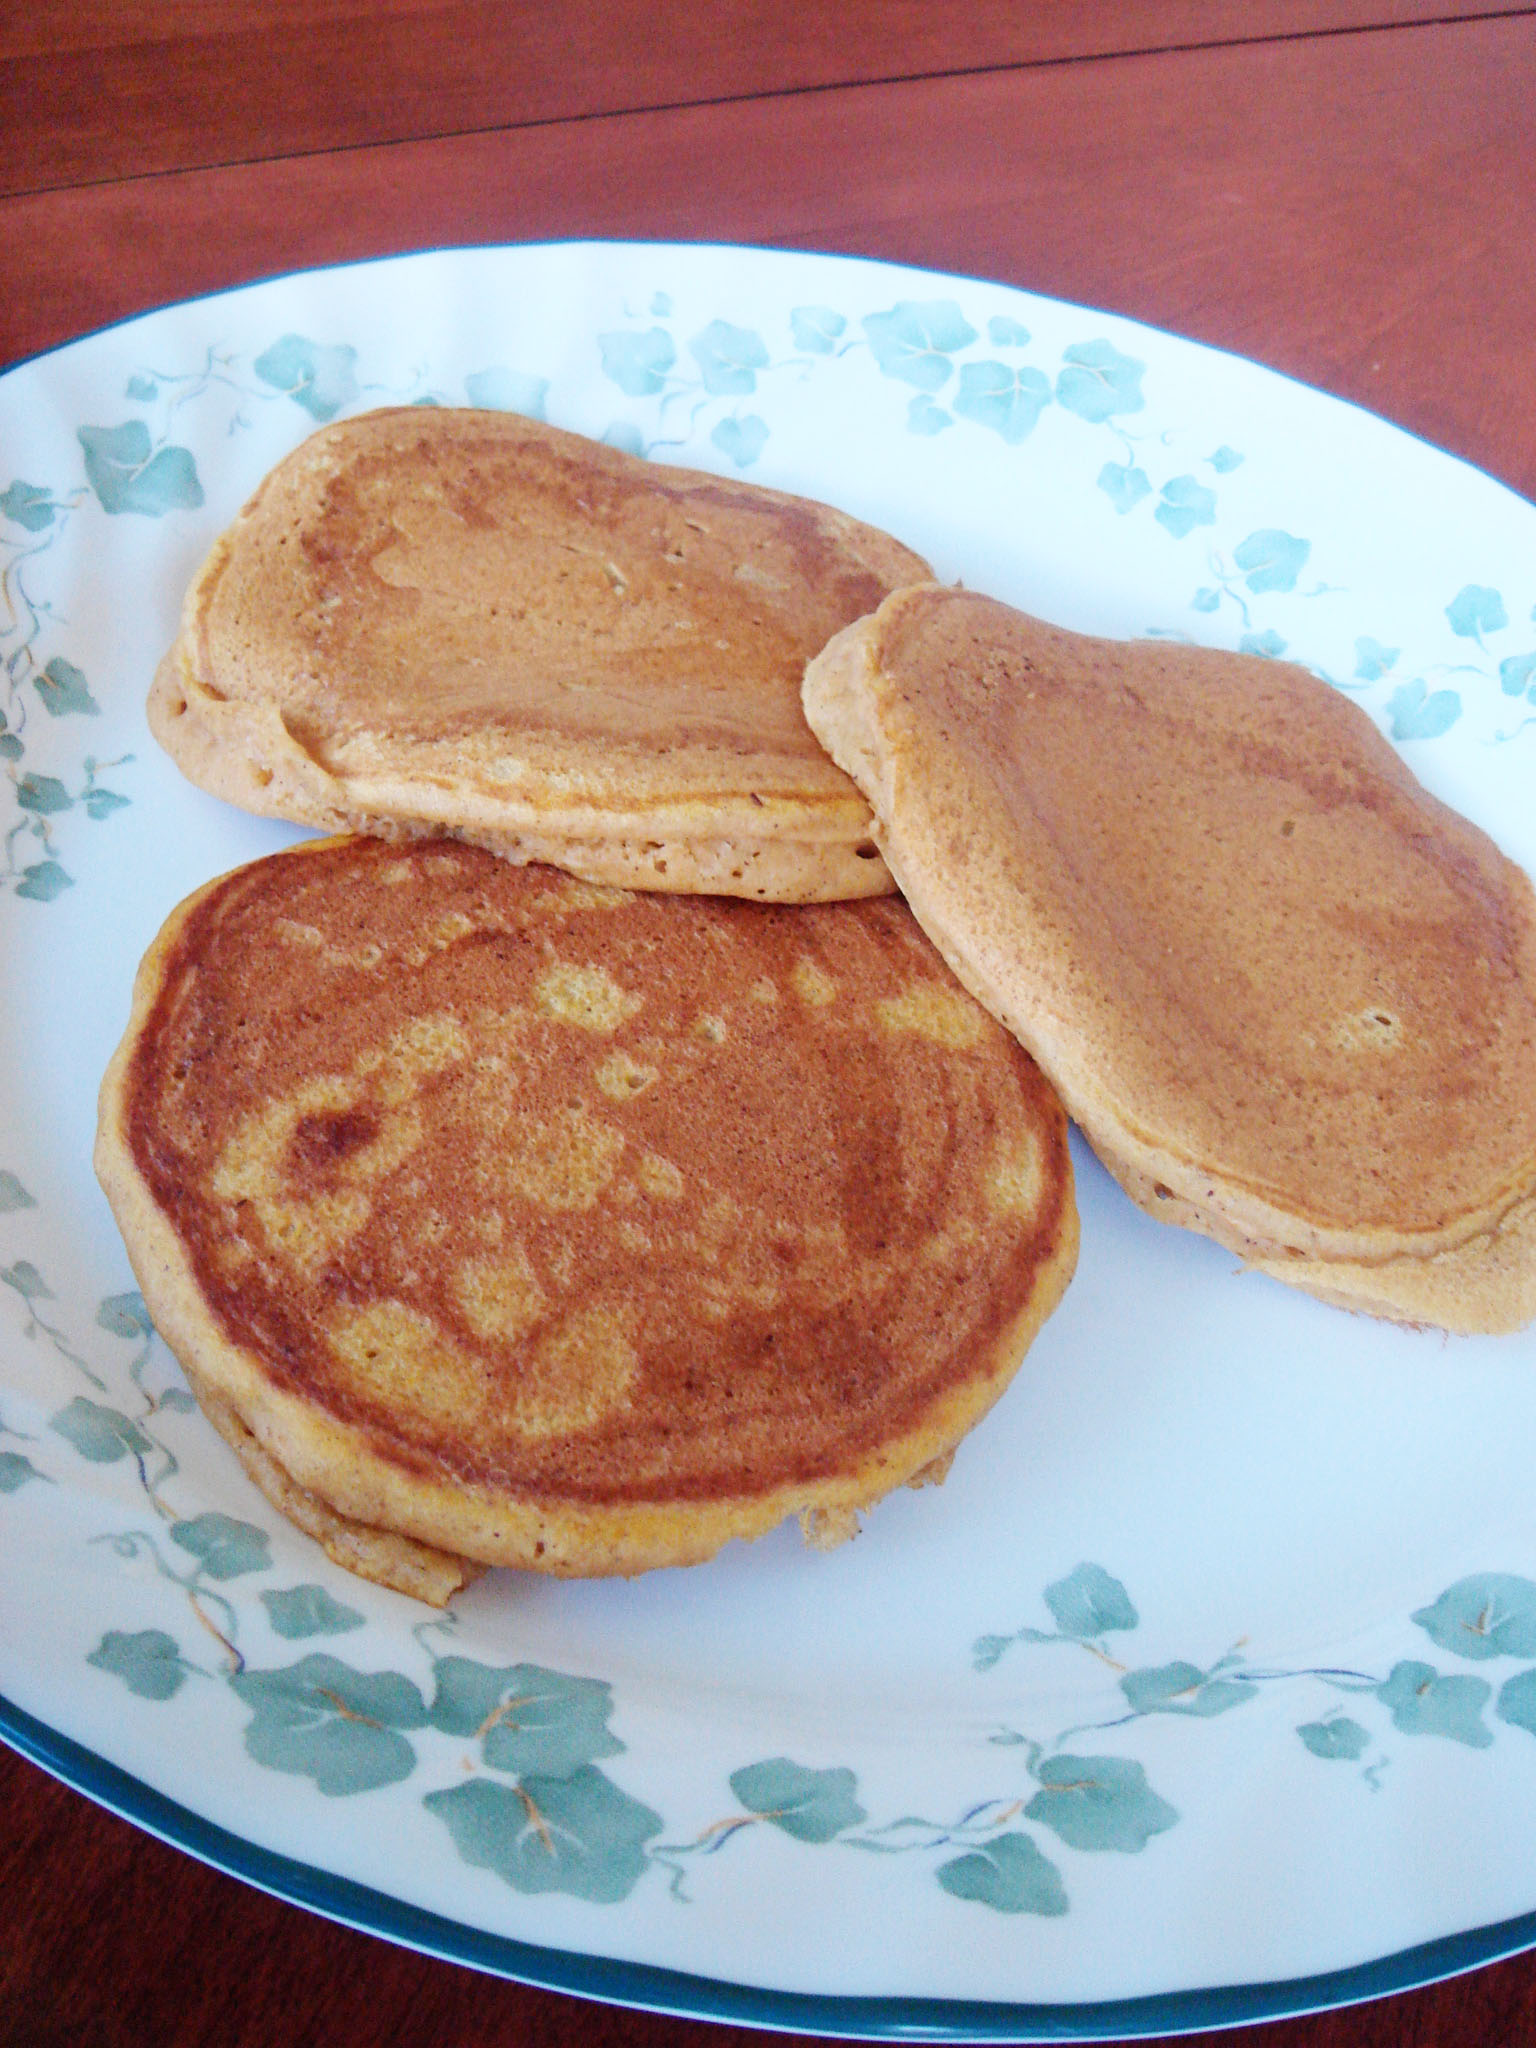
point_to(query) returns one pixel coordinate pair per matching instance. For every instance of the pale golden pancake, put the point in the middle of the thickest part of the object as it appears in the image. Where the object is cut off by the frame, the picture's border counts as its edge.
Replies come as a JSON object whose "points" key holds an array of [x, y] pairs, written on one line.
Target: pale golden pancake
{"points": [[574, 1228], [429, 620], [1289, 995]]}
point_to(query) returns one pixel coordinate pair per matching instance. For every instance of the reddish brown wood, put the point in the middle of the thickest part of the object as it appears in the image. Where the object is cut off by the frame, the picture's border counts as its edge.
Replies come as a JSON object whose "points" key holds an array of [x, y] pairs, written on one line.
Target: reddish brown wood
{"points": [[1348, 208], [112, 1940], [90, 90]]}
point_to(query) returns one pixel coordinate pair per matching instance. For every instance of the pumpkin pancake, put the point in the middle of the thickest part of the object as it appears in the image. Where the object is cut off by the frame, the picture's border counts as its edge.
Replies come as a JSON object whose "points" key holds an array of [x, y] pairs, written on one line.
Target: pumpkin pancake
{"points": [[434, 621], [1288, 994], [574, 1228]]}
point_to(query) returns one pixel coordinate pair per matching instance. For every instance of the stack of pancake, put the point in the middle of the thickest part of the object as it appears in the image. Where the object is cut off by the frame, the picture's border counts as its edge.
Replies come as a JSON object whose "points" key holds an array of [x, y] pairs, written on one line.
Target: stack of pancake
{"points": [[513, 1195]]}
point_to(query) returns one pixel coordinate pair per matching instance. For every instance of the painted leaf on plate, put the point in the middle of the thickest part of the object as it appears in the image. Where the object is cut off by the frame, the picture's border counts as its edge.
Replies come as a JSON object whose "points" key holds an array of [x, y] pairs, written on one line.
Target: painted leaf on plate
{"points": [[1009, 1874], [813, 1806], [580, 1834]]}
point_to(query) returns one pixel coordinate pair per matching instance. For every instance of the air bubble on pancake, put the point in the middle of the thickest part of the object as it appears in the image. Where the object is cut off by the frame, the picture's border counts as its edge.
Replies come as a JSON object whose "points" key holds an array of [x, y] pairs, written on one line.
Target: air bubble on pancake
{"points": [[501, 1298], [622, 1078], [577, 1374], [289, 932], [564, 1162], [1374, 1030], [710, 1028], [587, 997], [659, 1177], [943, 1015], [397, 872], [812, 985], [401, 1358], [763, 990], [1015, 1183]]}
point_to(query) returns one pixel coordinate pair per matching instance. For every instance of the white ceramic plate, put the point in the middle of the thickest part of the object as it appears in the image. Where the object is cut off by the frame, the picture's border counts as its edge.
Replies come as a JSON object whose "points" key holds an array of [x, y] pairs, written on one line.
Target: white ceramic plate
{"points": [[1206, 1687]]}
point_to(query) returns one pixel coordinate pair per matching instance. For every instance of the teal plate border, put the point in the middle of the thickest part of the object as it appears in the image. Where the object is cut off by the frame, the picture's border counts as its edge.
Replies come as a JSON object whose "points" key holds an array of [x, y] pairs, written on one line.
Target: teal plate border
{"points": [[647, 1987]]}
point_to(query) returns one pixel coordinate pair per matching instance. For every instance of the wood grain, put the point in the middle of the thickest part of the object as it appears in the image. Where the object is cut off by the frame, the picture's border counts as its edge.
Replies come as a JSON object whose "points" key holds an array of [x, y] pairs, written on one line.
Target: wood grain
{"points": [[124, 1943], [1342, 207], [91, 90]]}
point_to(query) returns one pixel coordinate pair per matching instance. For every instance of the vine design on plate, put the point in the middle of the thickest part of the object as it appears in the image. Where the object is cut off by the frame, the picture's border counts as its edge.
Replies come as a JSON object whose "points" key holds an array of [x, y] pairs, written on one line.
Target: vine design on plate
{"points": [[40, 679]]}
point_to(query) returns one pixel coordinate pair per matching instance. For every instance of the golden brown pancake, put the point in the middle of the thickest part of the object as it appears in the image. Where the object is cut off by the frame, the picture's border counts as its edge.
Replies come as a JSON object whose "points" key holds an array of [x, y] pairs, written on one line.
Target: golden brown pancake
{"points": [[431, 621], [575, 1228], [1290, 996]]}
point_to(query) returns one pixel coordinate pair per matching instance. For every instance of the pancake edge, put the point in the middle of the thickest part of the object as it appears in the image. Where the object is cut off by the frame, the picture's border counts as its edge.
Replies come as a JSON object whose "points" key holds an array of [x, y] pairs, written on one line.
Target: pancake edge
{"points": [[309, 1448], [844, 696]]}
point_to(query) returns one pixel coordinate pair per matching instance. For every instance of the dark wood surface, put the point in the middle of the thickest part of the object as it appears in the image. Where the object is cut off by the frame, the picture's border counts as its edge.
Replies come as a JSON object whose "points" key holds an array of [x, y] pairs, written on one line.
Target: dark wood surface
{"points": [[1344, 189]]}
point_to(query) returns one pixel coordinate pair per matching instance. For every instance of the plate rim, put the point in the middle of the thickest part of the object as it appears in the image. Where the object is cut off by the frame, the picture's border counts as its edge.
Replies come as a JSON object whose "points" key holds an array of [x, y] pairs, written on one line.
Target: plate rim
{"points": [[654, 1987]]}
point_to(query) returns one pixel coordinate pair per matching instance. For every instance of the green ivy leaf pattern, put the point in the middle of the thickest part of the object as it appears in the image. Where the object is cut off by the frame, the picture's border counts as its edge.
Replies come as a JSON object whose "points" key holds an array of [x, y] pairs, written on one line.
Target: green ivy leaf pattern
{"points": [[63, 690], [1225, 460], [320, 378], [1517, 1701], [638, 363], [321, 1719], [1003, 332], [1187, 503], [1421, 714], [509, 391], [1126, 484], [1268, 644], [129, 474], [13, 1195], [578, 1834], [1372, 660], [1009, 1874], [44, 880], [29, 505], [15, 1471], [125, 1315], [27, 1281], [741, 439], [1492, 1614], [729, 359], [1099, 1802], [224, 1547], [1271, 559], [1009, 401], [916, 340], [1476, 610], [99, 1434], [297, 1611], [1517, 674], [1338, 1739], [813, 1806], [1181, 1688], [924, 417], [816, 329], [42, 794], [1089, 1603], [1422, 1702], [1097, 382], [148, 1662], [531, 1721]]}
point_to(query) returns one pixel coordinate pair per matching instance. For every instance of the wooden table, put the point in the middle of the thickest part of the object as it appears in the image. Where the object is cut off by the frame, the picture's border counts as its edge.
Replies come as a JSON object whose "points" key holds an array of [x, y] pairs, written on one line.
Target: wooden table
{"points": [[1343, 189]]}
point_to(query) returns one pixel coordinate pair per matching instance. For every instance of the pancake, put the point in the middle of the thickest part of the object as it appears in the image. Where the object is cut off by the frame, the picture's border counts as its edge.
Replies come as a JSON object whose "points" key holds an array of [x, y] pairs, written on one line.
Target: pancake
{"points": [[1289, 996], [433, 621], [572, 1228]]}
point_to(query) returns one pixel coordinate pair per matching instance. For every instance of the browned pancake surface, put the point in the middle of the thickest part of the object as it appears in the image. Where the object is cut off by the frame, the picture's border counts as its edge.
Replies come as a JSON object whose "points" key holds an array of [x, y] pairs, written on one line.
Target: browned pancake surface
{"points": [[572, 1194], [1263, 964], [464, 621]]}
